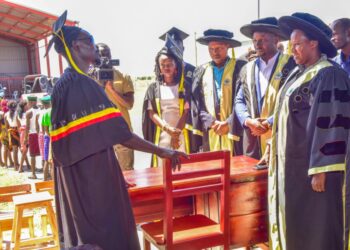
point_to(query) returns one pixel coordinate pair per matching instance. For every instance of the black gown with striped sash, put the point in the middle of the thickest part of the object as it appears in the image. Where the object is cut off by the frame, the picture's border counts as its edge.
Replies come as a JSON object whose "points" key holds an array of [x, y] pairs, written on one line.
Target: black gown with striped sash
{"points": [[93, 205]]}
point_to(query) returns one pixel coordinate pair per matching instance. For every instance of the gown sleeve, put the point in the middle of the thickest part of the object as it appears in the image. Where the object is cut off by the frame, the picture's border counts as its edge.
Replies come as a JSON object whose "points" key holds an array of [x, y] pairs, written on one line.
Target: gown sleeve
{"points": [[84, 121], [329, 121]]}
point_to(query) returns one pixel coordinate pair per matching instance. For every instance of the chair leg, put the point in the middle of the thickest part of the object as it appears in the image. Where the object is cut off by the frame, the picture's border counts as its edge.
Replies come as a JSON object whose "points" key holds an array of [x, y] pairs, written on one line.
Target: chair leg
{"points": [[14, 226], [146, 244], [31, 227], [18, 229], [0, 237], [52, 221], [44, 224]]}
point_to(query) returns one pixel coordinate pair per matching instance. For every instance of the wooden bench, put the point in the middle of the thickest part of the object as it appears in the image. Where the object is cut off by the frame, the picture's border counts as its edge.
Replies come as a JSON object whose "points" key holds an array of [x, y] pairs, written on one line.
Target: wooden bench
{"points": [[6, 217]]}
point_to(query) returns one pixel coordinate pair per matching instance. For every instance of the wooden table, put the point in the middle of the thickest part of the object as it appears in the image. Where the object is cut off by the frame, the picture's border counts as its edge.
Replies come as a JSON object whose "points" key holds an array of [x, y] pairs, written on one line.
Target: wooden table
{"points": [[248, 198]]}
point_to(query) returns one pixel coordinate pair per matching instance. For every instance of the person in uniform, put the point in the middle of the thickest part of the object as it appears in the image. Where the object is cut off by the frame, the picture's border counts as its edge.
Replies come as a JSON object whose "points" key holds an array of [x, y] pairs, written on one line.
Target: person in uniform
{"points": [[13, 135], [121, 92], [31, 133], [45, 125], [310, 138], [21, 124]]}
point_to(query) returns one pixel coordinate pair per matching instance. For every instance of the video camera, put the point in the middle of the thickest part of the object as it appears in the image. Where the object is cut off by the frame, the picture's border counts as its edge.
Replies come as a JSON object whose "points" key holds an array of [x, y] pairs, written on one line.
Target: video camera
{"points": [[104, 68]]}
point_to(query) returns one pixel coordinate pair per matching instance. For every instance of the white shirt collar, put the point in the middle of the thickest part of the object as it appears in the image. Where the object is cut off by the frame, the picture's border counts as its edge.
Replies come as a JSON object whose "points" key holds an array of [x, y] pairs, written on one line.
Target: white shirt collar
{"points": [[269, 63]]}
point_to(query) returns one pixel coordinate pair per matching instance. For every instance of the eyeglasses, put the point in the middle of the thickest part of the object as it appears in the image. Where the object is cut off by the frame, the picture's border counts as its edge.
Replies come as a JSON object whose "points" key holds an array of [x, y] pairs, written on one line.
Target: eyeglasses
{"points": [[89, 38]]}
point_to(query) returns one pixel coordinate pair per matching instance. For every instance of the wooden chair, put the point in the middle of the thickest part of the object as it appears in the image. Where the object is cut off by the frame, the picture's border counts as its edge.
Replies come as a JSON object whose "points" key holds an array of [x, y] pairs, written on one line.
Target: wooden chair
{"points": [[6, 217], [43, 186], [192, 231]]}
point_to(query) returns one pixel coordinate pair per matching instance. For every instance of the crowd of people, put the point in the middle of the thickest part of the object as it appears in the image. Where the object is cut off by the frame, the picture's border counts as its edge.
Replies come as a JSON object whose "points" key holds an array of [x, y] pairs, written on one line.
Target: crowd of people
{"points": [[25, 130], [290, 111]]}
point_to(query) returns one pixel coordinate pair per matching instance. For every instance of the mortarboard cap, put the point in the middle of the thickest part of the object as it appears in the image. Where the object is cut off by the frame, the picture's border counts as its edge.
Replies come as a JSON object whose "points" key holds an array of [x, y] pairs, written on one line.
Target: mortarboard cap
{"points": [[56, 27], [62, 37], [175, 33], [173, 47]]}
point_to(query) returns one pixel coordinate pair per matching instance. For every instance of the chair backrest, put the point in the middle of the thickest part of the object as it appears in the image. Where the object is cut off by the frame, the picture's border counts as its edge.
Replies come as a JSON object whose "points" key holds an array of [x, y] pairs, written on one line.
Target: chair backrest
{"points": [[221, 167], [6, 193], [43, 186]]}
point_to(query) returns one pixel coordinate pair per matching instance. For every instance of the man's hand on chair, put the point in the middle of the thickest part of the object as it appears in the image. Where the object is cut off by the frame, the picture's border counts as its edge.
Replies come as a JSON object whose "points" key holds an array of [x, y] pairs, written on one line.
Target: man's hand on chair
{"points": [[174, 156]]}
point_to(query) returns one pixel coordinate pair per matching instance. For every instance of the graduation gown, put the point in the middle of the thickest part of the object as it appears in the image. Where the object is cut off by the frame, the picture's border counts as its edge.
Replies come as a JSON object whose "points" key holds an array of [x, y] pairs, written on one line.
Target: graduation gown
{"points": [[189, 69], [93, 205], [254, 146], [207, 107], [310, 136], [151, 132]]}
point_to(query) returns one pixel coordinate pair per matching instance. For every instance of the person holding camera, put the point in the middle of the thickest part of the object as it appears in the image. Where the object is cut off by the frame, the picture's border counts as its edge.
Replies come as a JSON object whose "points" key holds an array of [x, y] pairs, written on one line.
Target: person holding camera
{"points": [[120, 90]]}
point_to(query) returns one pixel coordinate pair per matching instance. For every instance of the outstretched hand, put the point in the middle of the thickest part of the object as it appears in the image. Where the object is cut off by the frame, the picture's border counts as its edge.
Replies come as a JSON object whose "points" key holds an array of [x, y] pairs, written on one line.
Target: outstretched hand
{"points": [[174, 156]]}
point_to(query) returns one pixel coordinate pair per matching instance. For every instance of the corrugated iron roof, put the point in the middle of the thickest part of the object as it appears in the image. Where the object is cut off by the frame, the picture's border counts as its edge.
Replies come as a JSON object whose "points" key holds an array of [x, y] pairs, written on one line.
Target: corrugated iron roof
{"points": [[25, 24]]}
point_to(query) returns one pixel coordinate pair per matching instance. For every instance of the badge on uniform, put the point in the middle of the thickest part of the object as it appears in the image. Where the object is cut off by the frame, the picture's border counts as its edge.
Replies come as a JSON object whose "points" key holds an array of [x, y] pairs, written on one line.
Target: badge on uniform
{"points": [[189, 74]]}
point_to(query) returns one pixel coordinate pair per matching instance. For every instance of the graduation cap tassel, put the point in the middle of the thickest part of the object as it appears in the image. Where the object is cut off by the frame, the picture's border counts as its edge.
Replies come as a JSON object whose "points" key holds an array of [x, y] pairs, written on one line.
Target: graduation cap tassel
{"points": [[58, 33], [69, 55]]}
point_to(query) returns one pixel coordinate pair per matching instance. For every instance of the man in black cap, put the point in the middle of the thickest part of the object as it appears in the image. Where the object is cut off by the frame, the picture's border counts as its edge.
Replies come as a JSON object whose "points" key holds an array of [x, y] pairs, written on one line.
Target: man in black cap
{"points": [[309, 144], [259, 83], [178, 36], [92, 201], [214, 89], [120, 91], [341, 40]]}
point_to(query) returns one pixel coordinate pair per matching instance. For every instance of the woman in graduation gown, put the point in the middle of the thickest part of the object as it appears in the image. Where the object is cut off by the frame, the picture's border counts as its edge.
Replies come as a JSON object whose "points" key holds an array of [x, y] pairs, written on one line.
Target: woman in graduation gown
{"points": [[93, 205], [308, 170], [166, 105]]}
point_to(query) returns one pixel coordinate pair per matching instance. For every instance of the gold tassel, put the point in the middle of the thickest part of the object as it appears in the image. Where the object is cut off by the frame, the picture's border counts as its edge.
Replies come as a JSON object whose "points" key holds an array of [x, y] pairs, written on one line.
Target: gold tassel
{"points": [[69, 55]]}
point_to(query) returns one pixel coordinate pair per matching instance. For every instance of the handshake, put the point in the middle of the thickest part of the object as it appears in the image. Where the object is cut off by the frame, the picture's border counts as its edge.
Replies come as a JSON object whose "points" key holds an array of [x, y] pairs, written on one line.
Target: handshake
{"points": [[257, 126]]}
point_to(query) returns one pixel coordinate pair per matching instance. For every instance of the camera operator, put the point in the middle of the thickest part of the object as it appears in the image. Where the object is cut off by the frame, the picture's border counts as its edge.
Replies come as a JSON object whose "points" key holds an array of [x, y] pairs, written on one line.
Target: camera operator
{"points": [[120, 91]]}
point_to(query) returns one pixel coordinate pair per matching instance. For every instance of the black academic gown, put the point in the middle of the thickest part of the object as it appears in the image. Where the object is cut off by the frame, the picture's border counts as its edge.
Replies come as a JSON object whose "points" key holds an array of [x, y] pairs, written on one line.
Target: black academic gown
{"points": [[148, 126], [189, 69], [93, 205], [310, 136], [201, 119], [251, 143]]}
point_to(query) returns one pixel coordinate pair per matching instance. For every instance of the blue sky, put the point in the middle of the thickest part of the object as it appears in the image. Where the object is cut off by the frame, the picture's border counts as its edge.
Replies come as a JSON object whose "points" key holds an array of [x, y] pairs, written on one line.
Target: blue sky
{"points": [[132, 27]]}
